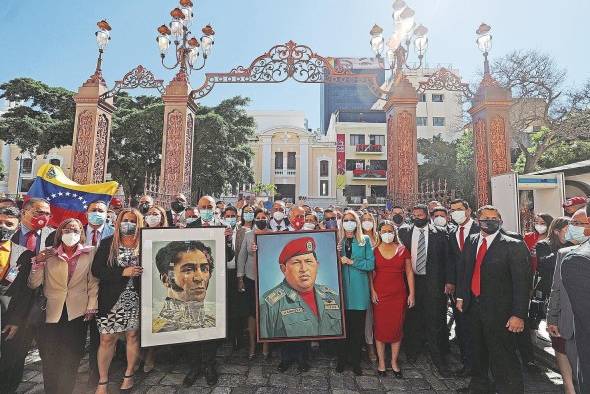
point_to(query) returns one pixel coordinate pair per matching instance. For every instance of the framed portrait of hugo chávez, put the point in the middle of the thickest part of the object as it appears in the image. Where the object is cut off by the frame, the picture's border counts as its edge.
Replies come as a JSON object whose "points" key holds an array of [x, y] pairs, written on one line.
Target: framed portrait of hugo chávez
{"points": [[182, 285], [299, 287]]}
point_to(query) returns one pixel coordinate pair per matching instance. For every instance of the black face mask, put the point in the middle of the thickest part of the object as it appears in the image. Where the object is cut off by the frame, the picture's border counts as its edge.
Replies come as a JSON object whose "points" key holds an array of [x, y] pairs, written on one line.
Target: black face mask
{"points": [[260, 224], [490, 226], [144, 208], [177, 206], [420, 222], [397, 219], [6, 233]]}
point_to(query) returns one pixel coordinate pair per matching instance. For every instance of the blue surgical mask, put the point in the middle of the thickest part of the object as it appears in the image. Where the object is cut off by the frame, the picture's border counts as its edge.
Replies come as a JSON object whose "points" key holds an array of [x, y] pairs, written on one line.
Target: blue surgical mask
{"points": [[97, 218], [206, 214], [320, 216], [575, 234], [248, 216], [230, 222], [331, 224]]}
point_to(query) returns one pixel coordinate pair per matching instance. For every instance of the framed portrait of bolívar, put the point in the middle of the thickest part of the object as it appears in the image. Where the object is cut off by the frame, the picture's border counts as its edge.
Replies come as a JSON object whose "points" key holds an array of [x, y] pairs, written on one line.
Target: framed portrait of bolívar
{"points": [[298, 287], [183, 285]]}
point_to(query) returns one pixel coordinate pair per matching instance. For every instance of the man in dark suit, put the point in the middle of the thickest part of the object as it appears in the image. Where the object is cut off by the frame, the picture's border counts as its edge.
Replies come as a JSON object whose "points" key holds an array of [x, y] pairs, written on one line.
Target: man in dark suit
{"points": [[203, 353], [575, 273], [493, 292], [176, 213], [463, 227], [34, 234], [434, 277]]}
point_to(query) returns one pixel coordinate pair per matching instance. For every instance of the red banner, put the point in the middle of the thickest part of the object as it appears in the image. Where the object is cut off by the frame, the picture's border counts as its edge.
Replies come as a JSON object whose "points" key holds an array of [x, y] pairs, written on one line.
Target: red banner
{"points": [[340, 154]]}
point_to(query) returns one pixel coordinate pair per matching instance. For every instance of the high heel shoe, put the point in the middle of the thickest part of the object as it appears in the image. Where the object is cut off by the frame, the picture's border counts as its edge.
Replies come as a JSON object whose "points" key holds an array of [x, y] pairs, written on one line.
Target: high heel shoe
{"points": [[101, 384], [381, 373], [397, 374], [128, 389]]}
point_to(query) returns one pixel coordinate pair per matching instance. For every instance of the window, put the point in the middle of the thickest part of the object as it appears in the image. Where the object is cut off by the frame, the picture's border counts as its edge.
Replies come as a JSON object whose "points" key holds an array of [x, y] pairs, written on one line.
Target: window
{"points": [[279, 160], [421, 121], [291, 161], [352, 165], [324, 188], [25, 185], [356, 190], [26, 166], [377, 139], [55, 162], [357, 139], [324, 168], [438, 121], [438, 98], [378, 164], [422, 97], [379, 191]]}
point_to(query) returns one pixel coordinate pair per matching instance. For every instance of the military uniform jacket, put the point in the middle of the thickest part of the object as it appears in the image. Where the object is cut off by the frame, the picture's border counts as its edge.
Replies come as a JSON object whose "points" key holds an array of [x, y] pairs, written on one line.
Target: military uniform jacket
{"points": [[179, 316], [284, 314]]}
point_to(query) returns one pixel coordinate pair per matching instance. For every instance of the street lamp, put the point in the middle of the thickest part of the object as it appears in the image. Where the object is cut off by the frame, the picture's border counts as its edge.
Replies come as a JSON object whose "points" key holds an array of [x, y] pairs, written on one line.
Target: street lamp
{"points": [[102, 39], [484, 43], [191, 53], [406, 33]]}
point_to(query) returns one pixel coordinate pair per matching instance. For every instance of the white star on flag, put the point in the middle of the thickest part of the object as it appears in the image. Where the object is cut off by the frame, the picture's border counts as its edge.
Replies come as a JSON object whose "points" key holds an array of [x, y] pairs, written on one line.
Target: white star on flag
{"points": [[60, 194], [53, 195], [67, 193]]}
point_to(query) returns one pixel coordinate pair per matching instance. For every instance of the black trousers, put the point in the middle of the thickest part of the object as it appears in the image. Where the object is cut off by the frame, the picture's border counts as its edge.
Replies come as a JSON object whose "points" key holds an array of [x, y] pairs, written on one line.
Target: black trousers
{"points": [[61, 347], [524, 343], [12, 361], [93, 349], [234, 322], [355, 337], [202, 355], [463, 338], [294, 352], [494, 347], [426, 322]]}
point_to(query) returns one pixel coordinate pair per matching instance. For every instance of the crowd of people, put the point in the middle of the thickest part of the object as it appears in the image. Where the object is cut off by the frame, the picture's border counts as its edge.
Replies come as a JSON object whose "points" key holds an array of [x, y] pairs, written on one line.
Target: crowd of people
{"points": [[402, 270]]}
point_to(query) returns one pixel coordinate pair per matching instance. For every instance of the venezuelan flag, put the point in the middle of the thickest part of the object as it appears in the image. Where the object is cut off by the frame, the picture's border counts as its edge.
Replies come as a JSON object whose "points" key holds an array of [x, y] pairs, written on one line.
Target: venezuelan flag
{"points": [[67, 198]]}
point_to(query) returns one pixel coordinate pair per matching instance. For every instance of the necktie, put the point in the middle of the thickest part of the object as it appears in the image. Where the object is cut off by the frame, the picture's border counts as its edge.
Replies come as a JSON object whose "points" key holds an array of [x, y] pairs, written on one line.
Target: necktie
{"points": [[175, 219], [32, 241], [94, 237], [461, 238], [421, 255], [476, 279]]}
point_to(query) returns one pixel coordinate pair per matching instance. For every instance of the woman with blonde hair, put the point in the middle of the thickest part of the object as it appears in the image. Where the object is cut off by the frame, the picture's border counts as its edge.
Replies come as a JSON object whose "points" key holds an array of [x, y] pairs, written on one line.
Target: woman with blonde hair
{"points": [[156, 217], [357, 261], [64, 271], [116, 264]]}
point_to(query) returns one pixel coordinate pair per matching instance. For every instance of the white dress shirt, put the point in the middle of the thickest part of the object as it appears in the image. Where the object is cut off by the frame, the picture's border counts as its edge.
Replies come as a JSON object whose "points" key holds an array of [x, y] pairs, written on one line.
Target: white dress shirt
{"points": [[231, 265], [90, 233], [466, 230], [489, 240], [415, 239]]}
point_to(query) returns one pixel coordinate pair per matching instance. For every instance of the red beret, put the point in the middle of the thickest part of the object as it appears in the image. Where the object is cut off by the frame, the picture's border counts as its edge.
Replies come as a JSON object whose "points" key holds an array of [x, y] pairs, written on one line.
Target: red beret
{"points": [[574, 201], [116, 202], [297, 247]]}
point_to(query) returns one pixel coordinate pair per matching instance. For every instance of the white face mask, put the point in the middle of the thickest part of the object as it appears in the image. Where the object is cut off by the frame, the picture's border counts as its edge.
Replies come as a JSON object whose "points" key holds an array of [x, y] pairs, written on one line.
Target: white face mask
{"points": [[309, 226], [387, 237], [458, 216], [367, 225], [278, 216], [349, 226], [153, 220], [440, 221], [541, 228], [70, 239]]}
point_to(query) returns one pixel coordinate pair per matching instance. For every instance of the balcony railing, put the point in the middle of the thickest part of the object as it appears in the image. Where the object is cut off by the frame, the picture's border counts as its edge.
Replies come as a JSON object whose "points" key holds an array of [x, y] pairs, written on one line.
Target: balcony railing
{"points": [[284, 172], [378, 174], [363, 148]]}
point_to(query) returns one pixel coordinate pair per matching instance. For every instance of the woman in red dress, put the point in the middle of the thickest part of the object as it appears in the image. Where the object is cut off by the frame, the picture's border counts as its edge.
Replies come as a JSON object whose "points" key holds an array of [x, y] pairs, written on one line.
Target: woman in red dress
{"points": [[389, 294]]}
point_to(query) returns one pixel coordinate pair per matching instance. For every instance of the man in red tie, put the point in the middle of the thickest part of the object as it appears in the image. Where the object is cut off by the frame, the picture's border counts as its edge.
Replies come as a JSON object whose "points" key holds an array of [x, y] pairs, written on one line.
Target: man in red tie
{"points": [[34, 234], [493, 291]]}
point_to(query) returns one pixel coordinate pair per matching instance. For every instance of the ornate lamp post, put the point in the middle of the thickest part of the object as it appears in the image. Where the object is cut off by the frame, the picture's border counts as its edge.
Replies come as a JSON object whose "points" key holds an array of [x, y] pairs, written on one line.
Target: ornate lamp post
{"points": [[102, 39], [484, 43]]}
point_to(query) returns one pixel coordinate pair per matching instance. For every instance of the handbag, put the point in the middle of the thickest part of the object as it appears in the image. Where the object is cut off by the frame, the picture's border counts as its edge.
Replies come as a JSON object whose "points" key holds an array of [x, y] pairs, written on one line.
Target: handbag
{"points": [[38, 312]]}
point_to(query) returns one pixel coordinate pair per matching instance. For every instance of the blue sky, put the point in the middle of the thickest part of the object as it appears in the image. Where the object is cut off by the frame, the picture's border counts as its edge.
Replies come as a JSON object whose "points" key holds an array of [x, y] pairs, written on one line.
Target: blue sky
{"points": [[53, 40]]}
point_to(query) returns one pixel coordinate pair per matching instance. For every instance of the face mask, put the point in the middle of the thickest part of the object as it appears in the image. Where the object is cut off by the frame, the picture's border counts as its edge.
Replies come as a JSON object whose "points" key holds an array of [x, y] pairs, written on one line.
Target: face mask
{"points": [[320, 216], [309, 226], [278, 216], [387, 237], [70, 239], [367, 225], [420, 222], [248, 216], [439, 221], [349, 226], [458, 216], [177, 206], [541, 228], [190, 220], [230, 222], [490, 226], [128, 229], [206, 215], [298, 223], [97, 218], [6, 233], [38, 222], [144, 207], [575, 234], [260, 224], [397, 219], [331, 224], [153, 220]]}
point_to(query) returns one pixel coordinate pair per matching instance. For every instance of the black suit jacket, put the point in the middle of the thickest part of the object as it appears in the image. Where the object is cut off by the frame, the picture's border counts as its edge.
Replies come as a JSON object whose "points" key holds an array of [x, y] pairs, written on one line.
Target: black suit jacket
{"points": [[575, 273], [440, 270], [454, 251], [505, 277], [229, 247], [19, 292]]}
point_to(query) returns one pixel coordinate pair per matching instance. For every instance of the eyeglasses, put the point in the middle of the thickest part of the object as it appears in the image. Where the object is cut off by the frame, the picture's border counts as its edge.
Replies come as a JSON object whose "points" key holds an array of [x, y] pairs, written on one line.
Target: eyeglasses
{"points": [[70, 231]]}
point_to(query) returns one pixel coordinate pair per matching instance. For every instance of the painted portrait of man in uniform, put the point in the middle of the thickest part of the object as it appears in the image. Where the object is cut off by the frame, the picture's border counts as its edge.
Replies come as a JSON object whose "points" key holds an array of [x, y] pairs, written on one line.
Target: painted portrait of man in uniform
{"points": [[299, 291], [181, 301]]}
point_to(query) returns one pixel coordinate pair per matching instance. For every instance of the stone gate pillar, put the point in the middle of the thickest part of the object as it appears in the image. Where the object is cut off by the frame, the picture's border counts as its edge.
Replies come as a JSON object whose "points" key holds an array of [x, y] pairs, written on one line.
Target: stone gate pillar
{"points": [[92, 131], [402, 150], [177, 141], [490, 113]]}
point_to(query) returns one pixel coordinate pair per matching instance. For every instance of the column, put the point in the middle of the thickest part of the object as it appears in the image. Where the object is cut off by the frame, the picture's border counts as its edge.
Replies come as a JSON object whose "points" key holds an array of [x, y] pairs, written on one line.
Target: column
{"points": [[177, 141], [490, 113], [267, 161], [304, 175], [402, 151], [92, 131]]}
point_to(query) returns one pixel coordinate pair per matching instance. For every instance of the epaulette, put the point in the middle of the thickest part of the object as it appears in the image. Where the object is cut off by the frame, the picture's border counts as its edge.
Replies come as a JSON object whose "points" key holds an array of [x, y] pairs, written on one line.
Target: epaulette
{"points": [[275, 296], [326, 289]]}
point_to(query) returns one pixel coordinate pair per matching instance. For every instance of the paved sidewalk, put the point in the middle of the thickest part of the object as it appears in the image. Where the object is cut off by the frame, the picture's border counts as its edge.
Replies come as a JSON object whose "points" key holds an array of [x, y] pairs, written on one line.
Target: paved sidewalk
{"points": [[239, 376]]}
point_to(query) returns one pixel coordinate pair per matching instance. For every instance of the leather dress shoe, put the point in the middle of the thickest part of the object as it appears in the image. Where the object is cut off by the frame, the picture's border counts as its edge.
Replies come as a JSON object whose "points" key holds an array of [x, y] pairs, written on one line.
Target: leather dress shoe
{"points": [[340, 367], [283, 366], [191, 377], [211, 376], [303, 366]]}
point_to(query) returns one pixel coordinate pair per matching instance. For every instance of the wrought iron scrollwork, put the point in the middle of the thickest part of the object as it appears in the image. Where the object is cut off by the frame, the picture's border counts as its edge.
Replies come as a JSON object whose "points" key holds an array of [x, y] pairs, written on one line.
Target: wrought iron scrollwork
{"points": [[444, 79], [139, 77]]}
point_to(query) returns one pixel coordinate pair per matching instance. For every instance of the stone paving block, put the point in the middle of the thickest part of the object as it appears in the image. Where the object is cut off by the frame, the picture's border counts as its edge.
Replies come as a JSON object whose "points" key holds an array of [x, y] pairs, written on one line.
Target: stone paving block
{"points": [[283, 380], [193, 390], [417, 384], [314, 383], [435, 383], [227, 380], [411, 373], [244, 390], [341, 382], [234, 369], [161, 390], [172, 379], [270, 390], [153, 378], [394, 385], [221, 390], [344, 391], [368, 383], [256, 377]]}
